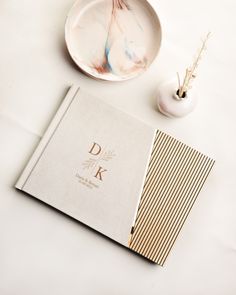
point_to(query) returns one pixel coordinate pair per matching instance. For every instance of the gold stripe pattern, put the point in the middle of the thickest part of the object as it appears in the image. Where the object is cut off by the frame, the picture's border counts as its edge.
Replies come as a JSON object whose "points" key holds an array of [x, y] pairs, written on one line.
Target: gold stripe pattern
{"points": [[174, 179]]}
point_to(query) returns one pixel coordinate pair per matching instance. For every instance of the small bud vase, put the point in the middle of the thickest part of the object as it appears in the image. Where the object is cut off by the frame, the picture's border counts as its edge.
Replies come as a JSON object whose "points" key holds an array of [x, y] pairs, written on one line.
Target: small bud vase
{"points": [[170, 104]]}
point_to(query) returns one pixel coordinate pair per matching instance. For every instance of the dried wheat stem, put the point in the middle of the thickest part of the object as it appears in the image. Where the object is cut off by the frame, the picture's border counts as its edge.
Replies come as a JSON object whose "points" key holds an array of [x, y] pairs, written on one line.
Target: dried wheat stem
{"points": [[190, 73], [179, 83]]}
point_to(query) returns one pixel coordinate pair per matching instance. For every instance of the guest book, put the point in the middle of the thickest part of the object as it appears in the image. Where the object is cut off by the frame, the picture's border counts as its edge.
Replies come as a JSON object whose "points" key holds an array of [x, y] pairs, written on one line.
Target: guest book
{"points": [[116, 174]]}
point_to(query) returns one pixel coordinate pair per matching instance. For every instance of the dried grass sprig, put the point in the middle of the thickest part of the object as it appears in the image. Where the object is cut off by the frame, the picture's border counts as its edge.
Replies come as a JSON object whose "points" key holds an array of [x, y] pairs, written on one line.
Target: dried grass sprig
{"points": [[190, 73]]}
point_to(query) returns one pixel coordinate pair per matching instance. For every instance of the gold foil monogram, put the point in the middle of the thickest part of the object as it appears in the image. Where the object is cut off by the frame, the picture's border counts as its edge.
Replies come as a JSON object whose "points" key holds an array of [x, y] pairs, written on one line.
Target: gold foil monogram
{"points": [[96, 162]]}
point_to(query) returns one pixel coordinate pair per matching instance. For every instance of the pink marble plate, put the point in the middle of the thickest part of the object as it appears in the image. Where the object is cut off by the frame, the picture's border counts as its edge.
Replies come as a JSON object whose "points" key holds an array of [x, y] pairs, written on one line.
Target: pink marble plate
{"points": [[113, 40]]}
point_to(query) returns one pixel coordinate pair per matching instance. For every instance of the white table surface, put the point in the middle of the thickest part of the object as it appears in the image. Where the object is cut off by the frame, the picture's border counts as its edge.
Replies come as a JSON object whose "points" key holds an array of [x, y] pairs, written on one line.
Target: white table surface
{"points": [[44, 252]]}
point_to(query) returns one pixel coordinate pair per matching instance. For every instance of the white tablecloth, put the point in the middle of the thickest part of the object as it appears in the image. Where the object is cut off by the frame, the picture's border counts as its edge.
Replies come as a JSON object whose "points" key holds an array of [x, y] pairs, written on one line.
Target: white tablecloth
{"points": [[44, 252]]}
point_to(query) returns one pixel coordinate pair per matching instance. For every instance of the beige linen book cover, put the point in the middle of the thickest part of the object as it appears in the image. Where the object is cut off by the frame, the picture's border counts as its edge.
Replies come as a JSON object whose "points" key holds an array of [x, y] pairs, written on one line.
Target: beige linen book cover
{"points": [[116, 174]]}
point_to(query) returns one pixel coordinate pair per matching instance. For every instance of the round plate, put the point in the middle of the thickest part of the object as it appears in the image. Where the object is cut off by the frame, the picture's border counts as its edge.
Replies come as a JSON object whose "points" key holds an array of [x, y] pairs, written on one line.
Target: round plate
{"points": [[113, 40]]}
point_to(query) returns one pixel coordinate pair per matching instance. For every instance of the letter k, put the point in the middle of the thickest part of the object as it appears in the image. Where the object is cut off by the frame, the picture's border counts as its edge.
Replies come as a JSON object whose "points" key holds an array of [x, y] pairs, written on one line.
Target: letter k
{"points": [[99, 173]]}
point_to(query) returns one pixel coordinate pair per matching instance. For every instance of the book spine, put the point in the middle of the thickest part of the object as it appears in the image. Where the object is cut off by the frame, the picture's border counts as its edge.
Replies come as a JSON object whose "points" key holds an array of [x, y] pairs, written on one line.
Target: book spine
{"points": [[47, 137], [143, 184]]}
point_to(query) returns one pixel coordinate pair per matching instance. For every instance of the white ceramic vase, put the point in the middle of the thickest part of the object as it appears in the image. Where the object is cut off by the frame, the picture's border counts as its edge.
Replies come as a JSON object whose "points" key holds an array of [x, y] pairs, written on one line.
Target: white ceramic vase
{"points": [[170, 104]]}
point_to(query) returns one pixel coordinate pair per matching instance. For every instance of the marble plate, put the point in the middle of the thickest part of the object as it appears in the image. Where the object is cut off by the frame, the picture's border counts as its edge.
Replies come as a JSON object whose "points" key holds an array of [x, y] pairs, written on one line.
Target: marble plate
{"points": [[113, 40]]}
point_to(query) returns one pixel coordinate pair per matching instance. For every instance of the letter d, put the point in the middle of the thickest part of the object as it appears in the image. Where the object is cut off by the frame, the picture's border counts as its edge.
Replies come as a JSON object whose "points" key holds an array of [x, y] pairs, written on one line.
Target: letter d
{"points": [[96, 149]]}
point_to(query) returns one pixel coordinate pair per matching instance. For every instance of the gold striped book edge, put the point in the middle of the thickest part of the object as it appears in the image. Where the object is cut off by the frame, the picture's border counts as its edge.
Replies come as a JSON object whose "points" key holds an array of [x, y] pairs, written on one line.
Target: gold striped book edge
{"points": [[174, 179]]}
